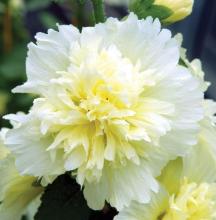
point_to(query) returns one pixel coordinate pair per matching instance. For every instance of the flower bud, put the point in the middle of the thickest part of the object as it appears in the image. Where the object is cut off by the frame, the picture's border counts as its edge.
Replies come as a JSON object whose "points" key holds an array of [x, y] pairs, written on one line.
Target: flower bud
{"points": [[180, 8]]}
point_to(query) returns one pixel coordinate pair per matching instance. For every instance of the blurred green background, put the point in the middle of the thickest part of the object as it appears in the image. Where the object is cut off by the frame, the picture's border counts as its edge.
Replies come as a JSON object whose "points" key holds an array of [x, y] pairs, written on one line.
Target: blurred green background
{"points": [[20, 20]]}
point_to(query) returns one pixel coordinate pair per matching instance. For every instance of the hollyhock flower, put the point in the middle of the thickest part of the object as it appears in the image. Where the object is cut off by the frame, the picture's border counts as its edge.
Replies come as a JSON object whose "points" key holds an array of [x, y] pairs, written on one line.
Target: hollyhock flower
{"points": [[17, 193], [188, 189], [114, 107]]}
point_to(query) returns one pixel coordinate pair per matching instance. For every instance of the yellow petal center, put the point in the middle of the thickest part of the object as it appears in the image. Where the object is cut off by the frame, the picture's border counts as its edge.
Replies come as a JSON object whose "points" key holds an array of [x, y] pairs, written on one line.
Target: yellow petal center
{"points": [[193, 202]]}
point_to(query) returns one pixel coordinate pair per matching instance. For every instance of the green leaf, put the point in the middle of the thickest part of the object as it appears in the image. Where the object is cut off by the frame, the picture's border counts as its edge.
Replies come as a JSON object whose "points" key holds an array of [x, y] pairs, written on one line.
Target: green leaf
{"points": [[64, 200], [48, 20], [35, 4]]}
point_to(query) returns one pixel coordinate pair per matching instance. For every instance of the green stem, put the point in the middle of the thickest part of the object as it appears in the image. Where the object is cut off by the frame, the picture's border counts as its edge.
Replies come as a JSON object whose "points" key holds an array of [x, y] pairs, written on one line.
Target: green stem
{"points": [[99, 12], [7, 30], [80, 14]]}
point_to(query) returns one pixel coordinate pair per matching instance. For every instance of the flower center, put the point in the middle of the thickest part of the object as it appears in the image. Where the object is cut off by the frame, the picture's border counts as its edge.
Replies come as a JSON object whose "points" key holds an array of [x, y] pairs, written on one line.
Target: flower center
{"points": [[193, 202], [103, 89]]}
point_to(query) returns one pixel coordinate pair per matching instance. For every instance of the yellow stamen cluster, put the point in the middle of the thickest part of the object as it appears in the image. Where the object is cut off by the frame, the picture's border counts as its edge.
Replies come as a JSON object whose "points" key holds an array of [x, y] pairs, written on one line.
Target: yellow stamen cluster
{"points": [[193, 202]]}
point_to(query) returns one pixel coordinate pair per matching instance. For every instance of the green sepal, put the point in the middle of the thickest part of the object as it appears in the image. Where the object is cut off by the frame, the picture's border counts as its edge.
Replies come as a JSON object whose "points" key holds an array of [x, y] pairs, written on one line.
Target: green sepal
{"points": [[161, 12], [182, 62], [145, 8], [140, 5], [146, 3], [37, 183]]}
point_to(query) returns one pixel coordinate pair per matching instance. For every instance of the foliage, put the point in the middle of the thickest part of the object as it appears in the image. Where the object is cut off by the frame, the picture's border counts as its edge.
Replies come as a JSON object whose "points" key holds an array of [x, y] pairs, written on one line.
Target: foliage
{"points": [[63, 200]]}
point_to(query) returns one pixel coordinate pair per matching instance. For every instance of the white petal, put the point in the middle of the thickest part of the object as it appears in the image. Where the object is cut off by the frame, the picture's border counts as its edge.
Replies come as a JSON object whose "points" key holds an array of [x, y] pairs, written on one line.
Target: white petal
{"points": [[16, 192], [120, 186], [151, 211]]}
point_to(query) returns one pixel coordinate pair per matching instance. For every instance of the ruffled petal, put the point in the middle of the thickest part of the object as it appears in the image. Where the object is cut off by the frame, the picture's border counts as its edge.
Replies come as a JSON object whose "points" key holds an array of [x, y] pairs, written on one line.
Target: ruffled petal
{"points": [[151, 211], [16, 192], [119, 186]]}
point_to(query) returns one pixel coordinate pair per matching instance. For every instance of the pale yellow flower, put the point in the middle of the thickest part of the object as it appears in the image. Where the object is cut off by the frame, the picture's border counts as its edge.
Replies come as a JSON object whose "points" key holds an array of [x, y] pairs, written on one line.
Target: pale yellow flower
{"points": [[115, 106], [181, 197], [188, 189], [17, 193]]}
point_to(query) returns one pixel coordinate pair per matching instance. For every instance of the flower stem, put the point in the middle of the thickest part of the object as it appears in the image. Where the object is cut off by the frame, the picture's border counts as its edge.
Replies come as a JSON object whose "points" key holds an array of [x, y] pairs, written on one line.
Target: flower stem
{"points": [[80, 14], [7, 30], [99, 12]]}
